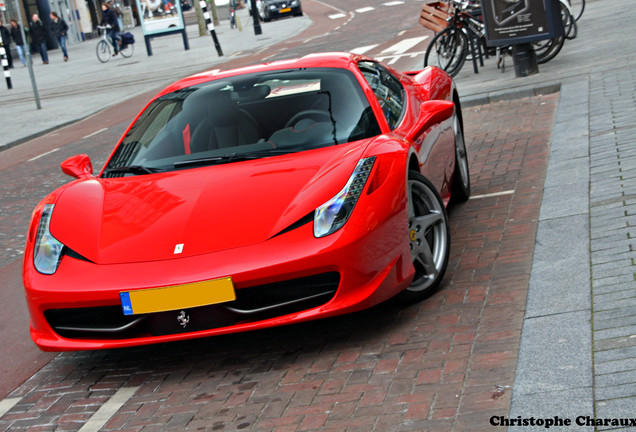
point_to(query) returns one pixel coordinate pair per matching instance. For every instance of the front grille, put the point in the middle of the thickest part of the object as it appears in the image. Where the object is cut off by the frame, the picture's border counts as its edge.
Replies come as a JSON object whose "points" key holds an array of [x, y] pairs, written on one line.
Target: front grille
{"points": [[281, 4], [281, 294], [252, 304], [107, 319]]}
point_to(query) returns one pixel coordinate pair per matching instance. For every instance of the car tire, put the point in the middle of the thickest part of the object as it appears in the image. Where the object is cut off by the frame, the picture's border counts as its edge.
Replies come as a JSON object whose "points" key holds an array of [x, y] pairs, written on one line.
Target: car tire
{"points": [[461, 176], [429, 237]]}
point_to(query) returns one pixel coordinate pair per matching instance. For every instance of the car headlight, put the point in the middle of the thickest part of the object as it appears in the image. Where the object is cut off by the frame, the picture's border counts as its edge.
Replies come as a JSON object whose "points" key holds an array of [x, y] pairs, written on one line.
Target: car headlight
{"points": [[48, 250], [333, 214], [294, 3], [272, 7]]}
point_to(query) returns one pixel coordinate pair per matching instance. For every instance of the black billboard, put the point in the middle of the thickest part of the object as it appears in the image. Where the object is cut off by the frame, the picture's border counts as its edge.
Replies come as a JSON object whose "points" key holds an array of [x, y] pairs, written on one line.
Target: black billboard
{"points": [[511, 22]]}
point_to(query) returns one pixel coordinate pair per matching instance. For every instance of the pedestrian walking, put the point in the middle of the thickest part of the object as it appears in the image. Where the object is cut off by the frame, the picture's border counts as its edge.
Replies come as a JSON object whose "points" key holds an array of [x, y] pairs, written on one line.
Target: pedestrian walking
{"points": [[109, 17], [38, 37], [6, 42], [16, 35], [60, 30]]}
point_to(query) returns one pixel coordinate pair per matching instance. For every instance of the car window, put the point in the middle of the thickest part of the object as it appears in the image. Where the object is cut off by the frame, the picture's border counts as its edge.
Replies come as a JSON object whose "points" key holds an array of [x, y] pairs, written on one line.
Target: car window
{"points": [[247, 116], [388, 91]]}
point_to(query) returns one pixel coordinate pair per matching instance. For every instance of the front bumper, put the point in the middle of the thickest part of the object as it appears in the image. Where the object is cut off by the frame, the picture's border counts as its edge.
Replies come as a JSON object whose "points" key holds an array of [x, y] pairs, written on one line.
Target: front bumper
{"points": [[280, 11], [363, 264]]}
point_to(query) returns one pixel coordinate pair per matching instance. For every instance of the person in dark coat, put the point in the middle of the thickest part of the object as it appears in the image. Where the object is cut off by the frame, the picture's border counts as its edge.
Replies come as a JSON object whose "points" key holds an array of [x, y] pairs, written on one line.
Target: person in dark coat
{"points": [[109, 17], [6, 42], [60, 30], [16, 35], [38, 37]]}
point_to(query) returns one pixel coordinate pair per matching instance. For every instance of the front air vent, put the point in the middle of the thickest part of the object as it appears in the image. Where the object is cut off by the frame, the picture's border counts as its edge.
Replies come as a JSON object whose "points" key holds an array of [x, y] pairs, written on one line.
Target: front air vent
{"points": [[252, 304]]}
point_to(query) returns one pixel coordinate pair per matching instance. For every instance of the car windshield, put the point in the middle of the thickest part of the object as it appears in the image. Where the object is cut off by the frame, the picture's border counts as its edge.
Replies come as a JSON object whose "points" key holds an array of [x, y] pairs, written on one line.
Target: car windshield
{"points": [[245, 117]]}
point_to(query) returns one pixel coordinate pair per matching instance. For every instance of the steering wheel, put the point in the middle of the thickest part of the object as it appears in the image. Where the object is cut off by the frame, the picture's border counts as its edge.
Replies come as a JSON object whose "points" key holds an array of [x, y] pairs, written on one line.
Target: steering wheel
{"points": [[314, 114]]}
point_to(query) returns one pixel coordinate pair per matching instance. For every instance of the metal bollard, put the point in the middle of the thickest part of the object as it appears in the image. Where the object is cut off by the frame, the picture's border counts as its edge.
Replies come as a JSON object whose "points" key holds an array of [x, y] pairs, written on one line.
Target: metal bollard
{"points": [[210, 26], [5, 64]]}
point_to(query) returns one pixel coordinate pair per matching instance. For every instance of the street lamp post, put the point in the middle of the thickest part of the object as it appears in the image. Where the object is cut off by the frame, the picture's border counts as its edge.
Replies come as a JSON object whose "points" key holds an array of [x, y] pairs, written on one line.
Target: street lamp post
{"points": [[29, 61]]}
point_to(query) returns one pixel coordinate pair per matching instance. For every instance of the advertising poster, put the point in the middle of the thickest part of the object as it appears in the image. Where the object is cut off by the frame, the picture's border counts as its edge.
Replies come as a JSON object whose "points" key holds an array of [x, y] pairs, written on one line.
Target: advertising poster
{"points": [[510, 22], [160, 16]]}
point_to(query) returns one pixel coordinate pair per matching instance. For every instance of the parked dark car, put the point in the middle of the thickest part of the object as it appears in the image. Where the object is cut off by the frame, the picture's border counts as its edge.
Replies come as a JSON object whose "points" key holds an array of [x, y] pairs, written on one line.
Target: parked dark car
{"points": [[271, 9]]}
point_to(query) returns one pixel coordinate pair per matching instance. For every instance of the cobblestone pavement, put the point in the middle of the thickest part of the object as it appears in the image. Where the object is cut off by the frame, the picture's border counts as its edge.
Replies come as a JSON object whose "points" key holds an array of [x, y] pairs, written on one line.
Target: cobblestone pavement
{"points": [[444, 364], [612, 240], [577, 359]]}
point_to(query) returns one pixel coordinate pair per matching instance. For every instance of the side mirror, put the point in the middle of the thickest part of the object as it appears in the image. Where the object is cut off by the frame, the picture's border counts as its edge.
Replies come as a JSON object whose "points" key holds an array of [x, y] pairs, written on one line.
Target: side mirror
{"points": [[431, 113], [78, 166]]}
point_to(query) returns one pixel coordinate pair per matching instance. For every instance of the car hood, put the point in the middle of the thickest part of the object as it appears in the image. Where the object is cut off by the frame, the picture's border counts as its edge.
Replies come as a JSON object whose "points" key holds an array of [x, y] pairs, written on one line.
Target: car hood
{"points": [[197, 211]]}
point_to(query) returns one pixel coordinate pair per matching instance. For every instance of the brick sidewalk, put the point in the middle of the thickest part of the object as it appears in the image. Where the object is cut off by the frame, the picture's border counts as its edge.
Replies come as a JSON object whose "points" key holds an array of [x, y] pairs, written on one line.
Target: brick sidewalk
{"points": [[432, 366]]}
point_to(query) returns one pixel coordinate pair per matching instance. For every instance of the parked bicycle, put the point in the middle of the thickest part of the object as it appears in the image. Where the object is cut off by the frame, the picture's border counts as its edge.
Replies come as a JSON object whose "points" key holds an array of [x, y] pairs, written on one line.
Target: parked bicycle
{"points": [[448, 49], [465, 36], [126, 49], [577, 7]]}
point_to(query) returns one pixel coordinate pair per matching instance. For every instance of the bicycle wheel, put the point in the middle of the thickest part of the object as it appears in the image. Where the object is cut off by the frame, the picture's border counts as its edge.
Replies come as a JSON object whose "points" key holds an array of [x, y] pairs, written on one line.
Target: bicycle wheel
{"points": [[103, 51], [547, 49], [127, 50], [577, 7], [447, 50], [569, 23]]}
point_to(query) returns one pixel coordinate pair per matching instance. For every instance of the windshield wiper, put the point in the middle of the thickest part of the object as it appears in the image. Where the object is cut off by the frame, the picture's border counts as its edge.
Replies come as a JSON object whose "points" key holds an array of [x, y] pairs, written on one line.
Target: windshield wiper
{"points": [[232, 157], [131, 169]]}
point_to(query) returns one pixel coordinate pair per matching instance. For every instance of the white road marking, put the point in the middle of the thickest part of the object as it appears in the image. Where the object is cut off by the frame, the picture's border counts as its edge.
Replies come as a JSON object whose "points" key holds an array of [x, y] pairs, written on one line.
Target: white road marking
{"points": [[94, 133], [393, 3], [108, 409], [329, 6], [365, 9], [494, 194], [338, 15], [7, 404], [364, 49], [43, 154], [404, 45], [270, 56], [400, 49], [391, 59], [338, 11]]}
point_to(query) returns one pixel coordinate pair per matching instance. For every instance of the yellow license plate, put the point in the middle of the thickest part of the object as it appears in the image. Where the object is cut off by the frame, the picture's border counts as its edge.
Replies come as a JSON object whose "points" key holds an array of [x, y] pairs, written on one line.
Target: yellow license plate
{"points": [[177, 296], [285, 10]]}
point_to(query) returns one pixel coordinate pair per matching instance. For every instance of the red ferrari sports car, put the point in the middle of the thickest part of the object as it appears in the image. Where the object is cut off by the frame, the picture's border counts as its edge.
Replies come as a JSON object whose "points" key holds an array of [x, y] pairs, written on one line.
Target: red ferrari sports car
{"points": [[251, 198]]}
